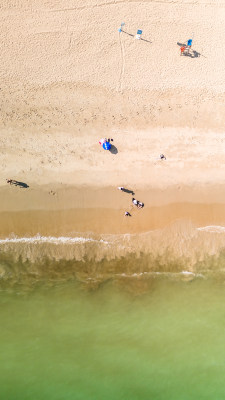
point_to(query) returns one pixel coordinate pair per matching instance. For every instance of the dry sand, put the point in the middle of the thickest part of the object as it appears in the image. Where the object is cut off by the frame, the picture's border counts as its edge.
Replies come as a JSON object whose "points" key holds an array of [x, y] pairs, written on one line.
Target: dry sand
{"points": [[69, 78]]}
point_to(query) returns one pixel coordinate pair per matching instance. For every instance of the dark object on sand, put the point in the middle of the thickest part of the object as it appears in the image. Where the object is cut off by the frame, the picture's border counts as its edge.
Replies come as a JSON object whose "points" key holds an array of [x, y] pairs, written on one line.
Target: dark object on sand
{"points": [[135, 202], [17, 183], [126, 190]]}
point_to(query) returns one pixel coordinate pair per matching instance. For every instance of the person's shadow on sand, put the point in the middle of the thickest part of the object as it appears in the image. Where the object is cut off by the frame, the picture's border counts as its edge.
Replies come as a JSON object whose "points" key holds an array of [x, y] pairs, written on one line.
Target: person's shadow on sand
{"points": [[113, 149], [21, 184], [128, 191], [130, 34], [192, 53]]}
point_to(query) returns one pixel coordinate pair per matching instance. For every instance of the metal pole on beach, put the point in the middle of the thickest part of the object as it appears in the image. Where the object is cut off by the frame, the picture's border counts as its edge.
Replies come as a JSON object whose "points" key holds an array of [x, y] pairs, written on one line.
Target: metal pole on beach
{"points": [[121, 27]]}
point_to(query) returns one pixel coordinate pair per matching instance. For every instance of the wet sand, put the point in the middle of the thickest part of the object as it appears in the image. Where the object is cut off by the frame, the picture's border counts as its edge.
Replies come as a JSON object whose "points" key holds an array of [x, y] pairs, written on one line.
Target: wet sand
{"points": [[64, 210], [177, 230]]}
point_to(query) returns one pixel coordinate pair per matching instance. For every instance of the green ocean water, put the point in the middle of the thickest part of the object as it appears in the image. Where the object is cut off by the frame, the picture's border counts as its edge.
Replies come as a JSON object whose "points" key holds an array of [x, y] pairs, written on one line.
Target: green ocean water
{"points": [[160, 340]]}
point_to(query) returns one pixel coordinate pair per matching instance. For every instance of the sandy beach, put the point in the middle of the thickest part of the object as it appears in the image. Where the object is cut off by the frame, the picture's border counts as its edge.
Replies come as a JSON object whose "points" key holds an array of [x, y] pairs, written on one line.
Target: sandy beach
{"points": [[68, 78]]}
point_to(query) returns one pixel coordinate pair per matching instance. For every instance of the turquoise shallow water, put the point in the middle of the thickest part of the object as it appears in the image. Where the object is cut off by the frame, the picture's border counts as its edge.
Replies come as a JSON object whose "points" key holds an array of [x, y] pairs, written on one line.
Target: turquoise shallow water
{"points": [[163, 340]]}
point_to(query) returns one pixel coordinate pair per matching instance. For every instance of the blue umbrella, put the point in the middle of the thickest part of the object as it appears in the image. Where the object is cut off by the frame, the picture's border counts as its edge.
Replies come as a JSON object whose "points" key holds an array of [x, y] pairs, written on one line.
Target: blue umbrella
{"points": [[106, 146]]}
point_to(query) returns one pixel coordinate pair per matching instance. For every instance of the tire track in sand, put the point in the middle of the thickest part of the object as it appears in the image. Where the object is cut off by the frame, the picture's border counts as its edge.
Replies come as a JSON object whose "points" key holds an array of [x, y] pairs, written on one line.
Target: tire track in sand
{"points": [[115, 2]]}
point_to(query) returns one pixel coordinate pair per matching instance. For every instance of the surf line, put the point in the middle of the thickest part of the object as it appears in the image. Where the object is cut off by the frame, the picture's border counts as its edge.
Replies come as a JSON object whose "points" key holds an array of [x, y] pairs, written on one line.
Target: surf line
{"points": [[212, 229], [50, 239]]}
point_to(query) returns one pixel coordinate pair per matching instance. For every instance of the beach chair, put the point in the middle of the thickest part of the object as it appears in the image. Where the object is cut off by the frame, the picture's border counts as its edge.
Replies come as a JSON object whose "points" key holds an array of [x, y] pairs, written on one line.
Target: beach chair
{"points": [[139, 33]]}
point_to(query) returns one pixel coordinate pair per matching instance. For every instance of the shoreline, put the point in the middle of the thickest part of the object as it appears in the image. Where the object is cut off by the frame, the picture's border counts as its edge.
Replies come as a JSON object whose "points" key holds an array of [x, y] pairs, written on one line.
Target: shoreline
{"points": [[179, 229], [53, 210]]}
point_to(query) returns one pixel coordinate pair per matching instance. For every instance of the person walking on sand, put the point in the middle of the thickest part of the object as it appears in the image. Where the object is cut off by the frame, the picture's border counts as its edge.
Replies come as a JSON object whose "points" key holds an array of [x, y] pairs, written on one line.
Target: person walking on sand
{"points": [[11, 181], [127, 214], [120, 188]]}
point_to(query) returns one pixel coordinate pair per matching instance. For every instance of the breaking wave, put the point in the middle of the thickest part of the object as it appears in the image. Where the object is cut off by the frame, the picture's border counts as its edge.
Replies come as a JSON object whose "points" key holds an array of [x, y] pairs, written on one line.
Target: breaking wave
{"points": [[179, 252], [50, 239], [212, 228]]}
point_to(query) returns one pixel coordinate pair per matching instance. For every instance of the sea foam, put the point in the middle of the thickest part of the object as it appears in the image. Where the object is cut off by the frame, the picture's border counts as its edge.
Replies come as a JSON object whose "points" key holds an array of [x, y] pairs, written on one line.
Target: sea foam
{"points": [[50, 239], [212, 228]]}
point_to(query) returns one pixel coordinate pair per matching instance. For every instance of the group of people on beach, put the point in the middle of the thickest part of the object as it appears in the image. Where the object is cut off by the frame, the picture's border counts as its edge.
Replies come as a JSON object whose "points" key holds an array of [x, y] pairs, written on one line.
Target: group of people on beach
{"points": [[135, 202], [186, 47]]}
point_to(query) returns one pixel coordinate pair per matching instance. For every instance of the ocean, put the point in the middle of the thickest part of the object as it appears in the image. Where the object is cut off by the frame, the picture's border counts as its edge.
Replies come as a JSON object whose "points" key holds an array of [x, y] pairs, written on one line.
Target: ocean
{"points": [[126, 328]]}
